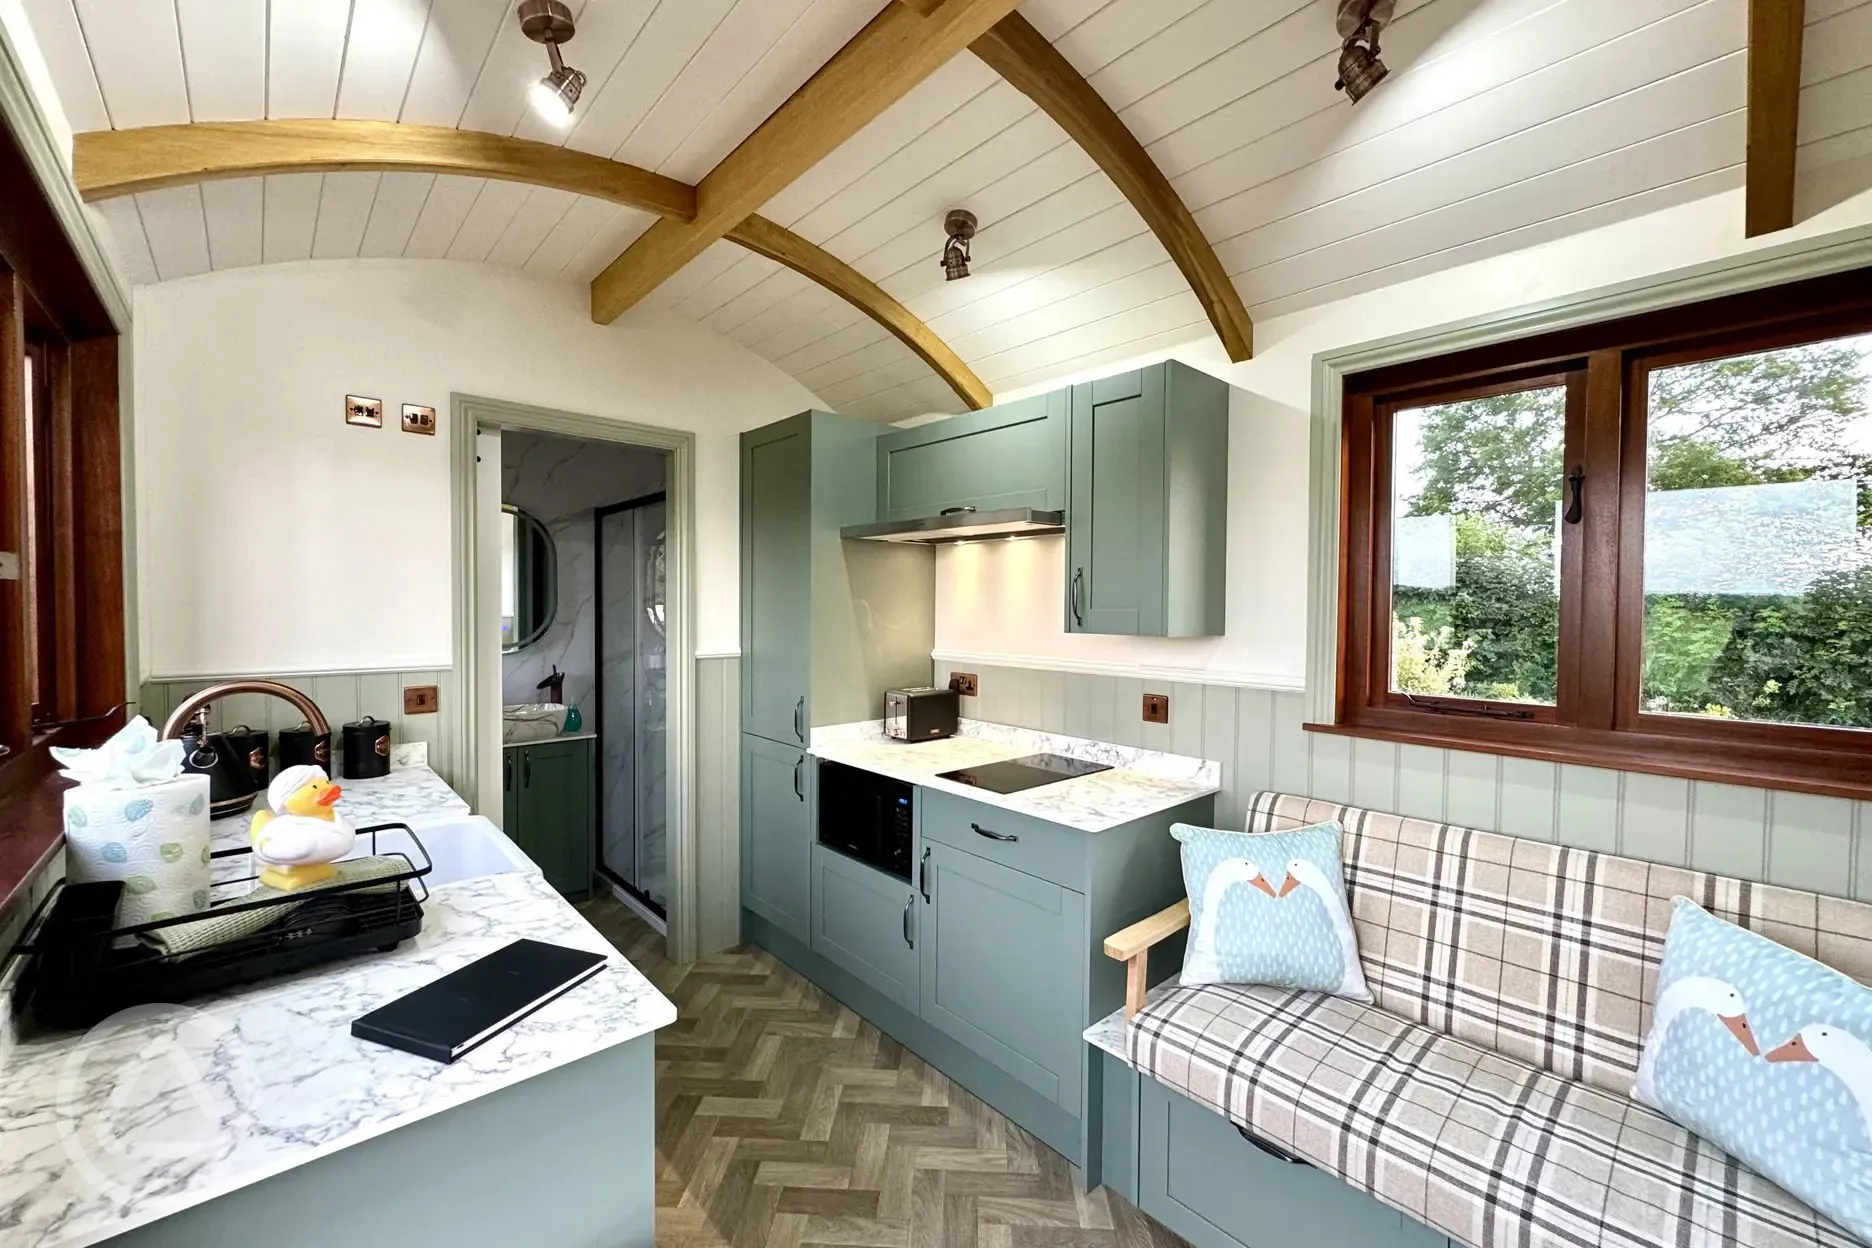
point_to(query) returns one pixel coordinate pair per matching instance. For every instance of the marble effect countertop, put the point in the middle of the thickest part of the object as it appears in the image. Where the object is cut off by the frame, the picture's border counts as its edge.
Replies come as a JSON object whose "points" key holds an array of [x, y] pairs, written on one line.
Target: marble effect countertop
{"points": [[407, 794], [170, 1106], [1109, 1032], [1140, 782]]}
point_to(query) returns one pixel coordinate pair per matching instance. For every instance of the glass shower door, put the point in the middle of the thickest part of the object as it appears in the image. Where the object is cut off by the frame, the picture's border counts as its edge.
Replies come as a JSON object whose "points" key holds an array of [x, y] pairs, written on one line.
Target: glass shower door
{"points": [[632, 676]]}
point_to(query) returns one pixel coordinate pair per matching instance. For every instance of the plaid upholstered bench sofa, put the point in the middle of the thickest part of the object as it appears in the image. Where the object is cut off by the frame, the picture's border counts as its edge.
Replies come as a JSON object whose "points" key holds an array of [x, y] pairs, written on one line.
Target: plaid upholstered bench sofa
{"points": [[1483, 1099]]}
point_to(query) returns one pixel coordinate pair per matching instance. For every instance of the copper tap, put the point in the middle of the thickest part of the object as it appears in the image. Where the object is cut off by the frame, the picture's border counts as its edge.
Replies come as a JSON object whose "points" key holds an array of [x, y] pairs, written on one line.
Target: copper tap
{"points": [[179, 718]]}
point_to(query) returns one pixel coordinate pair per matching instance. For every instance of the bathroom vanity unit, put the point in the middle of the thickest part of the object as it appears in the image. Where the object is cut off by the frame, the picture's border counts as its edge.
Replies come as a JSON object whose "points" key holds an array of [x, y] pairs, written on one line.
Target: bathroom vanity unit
{"points": [[255, 1118]]}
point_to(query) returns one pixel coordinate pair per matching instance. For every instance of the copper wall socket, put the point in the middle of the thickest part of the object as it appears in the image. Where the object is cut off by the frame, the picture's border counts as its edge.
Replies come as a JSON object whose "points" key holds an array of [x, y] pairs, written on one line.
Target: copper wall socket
{"points": [[421, 700], [965, 684], [1156, 708], [359, 410], [419, 419]]}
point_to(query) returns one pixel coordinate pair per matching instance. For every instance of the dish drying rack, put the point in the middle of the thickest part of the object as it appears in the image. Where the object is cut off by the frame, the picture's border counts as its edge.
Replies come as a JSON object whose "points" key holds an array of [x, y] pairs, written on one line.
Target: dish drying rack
{"points": [[82, 966]]}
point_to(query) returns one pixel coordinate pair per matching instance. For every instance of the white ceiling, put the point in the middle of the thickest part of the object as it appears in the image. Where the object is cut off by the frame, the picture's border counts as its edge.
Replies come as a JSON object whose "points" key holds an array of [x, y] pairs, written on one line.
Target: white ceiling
{"points": [[1503, 123]]}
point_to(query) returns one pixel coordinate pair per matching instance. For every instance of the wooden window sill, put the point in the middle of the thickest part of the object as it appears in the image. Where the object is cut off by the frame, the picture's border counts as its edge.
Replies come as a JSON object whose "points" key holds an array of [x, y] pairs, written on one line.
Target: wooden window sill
{"points": [[1790, 770]]}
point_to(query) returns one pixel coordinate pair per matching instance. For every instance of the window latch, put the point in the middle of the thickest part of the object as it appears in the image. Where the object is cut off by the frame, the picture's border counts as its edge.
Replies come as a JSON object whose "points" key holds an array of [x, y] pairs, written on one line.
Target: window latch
{"points": [[1576, 482]]}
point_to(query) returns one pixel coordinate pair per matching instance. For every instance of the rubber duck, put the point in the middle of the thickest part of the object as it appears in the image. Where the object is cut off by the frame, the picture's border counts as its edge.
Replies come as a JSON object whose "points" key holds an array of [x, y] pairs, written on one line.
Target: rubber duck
{"points": [[1204, 965], [1695, 992], [301, 834]]}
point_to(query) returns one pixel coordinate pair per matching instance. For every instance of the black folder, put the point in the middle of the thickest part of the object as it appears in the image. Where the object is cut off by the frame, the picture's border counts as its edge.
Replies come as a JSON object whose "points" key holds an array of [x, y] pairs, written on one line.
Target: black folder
{"points": [[445, 1019]]}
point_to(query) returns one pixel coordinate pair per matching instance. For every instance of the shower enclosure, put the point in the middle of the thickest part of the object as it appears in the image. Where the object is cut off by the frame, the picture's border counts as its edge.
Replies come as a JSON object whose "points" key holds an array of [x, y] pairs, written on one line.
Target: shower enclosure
{"points": [[633, 821]]}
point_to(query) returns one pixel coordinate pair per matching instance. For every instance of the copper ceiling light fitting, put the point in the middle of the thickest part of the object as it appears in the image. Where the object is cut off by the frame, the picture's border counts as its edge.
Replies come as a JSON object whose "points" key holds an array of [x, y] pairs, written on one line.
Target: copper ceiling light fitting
{"points": [[959, 225], [550, 22], [1359, 67]]}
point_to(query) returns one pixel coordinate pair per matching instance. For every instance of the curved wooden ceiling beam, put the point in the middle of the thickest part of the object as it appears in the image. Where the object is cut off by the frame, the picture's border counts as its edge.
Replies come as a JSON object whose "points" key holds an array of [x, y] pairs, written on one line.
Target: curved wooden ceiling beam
{"points": [[109, 163], [758, 234], [1035, 68]]}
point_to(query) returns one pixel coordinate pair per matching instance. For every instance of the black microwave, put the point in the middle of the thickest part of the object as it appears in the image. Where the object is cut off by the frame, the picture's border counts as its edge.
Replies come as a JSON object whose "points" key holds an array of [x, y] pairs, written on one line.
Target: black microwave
{"points": [[867, 816]]}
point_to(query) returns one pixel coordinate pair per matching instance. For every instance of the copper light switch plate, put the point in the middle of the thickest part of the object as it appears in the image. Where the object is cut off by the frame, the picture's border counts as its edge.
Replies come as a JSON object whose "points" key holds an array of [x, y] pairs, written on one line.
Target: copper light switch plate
{"points": [[1156, 708], [421, 700], [419, 419], [965, 684], [359, 410]]}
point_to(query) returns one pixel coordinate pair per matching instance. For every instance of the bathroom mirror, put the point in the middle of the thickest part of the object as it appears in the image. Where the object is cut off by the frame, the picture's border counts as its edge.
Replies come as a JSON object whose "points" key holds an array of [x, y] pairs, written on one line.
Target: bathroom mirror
{"points": [[529, 579]]}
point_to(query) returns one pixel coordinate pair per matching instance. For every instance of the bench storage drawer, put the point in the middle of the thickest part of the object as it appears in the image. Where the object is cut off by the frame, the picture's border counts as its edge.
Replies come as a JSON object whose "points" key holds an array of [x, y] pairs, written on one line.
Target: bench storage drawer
{"points": [[1201, 1178]]}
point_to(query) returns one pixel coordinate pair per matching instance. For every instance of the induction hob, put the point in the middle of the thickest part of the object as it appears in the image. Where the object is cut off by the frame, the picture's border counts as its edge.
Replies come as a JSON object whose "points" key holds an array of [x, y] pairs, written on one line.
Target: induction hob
{"points": [[1017, 774]]}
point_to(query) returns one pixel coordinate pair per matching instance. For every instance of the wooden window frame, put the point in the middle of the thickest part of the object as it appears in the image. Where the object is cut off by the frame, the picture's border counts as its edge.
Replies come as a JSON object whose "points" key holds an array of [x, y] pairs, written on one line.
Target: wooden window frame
{"points": [[1596, 719]]}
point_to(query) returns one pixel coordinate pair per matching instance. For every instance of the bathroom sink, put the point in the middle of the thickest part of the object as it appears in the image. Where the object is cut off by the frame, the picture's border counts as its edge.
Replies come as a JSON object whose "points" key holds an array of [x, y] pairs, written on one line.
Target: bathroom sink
{"points": [[463, 847], [531, 721]]}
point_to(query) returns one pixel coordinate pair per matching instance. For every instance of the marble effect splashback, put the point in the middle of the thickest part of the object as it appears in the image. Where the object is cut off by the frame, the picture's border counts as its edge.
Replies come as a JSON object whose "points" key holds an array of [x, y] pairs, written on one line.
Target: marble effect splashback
{"points": [[560, 481]]}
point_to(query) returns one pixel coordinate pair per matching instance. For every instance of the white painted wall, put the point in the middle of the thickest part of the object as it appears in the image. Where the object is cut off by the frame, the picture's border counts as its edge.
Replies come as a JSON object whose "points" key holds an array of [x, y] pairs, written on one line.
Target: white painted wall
{"points": [[1003, 598], [274, 537]]}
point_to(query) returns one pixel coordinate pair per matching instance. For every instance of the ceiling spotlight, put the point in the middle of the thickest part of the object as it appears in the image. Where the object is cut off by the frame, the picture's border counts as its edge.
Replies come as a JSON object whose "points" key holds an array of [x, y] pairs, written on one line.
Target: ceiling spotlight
{"points": [[550, 22], [959, 225], [1359, 67]]}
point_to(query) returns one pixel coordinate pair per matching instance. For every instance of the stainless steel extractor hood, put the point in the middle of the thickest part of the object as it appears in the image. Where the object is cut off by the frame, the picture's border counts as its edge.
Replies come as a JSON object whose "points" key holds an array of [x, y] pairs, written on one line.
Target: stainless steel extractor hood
{"points": [[962, 526]]}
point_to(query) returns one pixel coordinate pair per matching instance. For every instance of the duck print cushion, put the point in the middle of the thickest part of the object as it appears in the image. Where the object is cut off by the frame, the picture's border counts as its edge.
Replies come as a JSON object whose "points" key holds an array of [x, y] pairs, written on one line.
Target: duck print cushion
{"points": [[1768, 1054], [1269, 908]]}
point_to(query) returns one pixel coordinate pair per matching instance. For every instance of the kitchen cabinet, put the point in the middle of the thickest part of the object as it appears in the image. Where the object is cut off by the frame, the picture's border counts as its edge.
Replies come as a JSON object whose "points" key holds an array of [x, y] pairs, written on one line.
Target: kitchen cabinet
{"points": [[548, 807], [776, 509], [776, 834], [1147, 504], [865, 920], [1012, 455], [1002, 969]]}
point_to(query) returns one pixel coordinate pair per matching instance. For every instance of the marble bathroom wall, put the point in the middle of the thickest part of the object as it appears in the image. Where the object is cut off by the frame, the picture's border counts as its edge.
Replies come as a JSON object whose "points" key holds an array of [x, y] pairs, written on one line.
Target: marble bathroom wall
{"points": [[561, 481]]}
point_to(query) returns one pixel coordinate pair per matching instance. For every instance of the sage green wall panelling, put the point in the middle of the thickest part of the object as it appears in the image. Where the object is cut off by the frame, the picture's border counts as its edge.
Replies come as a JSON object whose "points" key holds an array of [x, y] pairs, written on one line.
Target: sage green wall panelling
{"points": [[718, 802], [1798, 840], [342, 696], [1012, 455]]}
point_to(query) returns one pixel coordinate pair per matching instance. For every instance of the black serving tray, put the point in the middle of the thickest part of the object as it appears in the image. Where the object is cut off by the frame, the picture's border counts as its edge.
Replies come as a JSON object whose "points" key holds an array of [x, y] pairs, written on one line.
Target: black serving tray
{"points": [[81, 968]]}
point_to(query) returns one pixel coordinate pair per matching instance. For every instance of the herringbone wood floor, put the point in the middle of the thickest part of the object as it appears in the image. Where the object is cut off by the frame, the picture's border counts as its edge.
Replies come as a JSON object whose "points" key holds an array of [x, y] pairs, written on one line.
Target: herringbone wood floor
{"points": [[785, 1119]]}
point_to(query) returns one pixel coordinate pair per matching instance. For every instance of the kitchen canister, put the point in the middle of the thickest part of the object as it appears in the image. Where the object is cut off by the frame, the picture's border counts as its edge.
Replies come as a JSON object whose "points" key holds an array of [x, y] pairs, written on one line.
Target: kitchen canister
{"points": [[366, 749], [301, 747], [253, 744], [135, 816]]}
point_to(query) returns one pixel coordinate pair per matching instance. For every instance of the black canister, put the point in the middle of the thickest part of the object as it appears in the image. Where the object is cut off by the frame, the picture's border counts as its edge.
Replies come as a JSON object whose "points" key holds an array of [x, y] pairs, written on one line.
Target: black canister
{"points": [[254, 744], [366, 749], [302, 747]]}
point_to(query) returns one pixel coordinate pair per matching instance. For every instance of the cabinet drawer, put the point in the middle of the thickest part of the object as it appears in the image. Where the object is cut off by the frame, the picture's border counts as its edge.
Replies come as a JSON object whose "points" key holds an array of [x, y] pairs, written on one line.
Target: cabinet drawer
{"points": [[1202, 1179], [1002, 836]]}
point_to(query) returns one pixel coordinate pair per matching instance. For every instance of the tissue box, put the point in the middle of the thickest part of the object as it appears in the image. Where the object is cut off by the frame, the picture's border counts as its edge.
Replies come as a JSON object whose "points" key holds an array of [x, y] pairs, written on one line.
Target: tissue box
{"points": [[153, 837]]}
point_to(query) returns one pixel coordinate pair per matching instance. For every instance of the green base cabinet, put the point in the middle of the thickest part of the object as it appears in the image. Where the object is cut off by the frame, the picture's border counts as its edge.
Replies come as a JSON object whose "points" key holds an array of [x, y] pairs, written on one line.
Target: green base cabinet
{"points": [[865, 921], [1147, 504], [549, 806], [776, 834], [1012, 455]]}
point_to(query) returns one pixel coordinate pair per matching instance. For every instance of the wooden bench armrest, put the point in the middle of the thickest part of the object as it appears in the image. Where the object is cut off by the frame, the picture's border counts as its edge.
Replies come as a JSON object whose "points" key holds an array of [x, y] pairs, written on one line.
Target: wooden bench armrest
{"points": [[1132, 946]]}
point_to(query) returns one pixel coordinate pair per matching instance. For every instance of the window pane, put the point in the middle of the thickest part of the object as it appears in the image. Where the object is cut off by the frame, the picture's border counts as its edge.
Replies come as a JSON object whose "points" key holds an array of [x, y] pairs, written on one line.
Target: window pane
{"points": [[1758, 537], [1475, 546]]}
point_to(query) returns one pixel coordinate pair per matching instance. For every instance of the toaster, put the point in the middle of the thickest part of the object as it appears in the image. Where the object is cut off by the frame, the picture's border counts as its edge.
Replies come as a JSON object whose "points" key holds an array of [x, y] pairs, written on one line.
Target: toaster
{"points": [[920, 714]]}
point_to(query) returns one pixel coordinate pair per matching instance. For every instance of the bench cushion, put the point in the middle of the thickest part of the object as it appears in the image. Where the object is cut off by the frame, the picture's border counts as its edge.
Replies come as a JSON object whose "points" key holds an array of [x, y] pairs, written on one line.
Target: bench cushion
{"points": [[1540, 952], [1478, 1145]]}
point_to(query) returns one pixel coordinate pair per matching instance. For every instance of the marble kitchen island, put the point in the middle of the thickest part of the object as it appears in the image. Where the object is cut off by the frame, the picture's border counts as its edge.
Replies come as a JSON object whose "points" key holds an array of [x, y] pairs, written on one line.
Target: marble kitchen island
{"points": [[254, 1118]]}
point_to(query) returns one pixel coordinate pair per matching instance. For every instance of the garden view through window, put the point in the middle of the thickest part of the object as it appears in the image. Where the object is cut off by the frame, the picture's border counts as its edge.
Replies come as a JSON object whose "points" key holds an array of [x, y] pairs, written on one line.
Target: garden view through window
{"points": [[1475, 546], [1758, 536]]}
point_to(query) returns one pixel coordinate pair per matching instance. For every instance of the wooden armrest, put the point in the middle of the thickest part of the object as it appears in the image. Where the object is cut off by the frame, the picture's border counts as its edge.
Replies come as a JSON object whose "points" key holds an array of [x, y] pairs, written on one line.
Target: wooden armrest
{"points": [[1132, 946]]}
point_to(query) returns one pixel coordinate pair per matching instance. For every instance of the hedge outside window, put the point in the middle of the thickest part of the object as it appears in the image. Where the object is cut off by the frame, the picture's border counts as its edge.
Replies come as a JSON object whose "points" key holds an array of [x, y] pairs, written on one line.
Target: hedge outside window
{"points": [[1646, 544]]}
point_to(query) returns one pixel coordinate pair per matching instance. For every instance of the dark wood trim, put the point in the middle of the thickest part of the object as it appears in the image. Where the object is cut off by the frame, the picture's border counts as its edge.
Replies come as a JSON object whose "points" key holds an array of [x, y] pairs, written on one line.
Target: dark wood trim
{"points": [[98, 481], [60, 650], [1597, 719], [1775, 32], [15, 680], [34, 243]]}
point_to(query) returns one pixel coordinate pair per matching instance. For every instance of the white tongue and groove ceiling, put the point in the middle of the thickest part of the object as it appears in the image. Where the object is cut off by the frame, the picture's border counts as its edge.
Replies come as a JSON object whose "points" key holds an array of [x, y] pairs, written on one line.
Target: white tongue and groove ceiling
{"points": [[1503, 123]]}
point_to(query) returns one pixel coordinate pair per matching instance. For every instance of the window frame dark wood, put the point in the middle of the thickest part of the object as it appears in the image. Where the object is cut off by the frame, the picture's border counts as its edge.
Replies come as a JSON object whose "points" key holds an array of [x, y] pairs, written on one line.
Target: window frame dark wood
{"points": [[1597, 719]]}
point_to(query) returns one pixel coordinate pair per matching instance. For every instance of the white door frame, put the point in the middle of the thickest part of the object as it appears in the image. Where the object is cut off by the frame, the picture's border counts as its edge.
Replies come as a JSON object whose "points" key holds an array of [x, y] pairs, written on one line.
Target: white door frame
{"points": [[471, 414]]}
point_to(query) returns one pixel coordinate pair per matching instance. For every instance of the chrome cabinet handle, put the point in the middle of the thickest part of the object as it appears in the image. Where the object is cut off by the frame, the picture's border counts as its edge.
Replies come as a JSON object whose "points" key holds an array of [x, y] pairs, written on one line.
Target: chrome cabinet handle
{"points": [[1078, 596], [799, 790], [799, 719], [909, 938], [993, 836], [923, 874]]}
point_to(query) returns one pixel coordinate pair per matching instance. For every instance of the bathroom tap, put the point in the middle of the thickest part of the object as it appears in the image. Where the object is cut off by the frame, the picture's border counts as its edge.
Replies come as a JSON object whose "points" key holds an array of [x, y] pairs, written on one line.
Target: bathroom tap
{"points": [[555, 683], [180, 717]]}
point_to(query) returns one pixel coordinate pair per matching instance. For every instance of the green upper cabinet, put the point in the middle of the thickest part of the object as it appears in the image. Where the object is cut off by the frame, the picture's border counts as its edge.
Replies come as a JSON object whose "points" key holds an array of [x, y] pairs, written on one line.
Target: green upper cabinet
{"points": [[1147, 504], [776, 605], [1013, 455]]}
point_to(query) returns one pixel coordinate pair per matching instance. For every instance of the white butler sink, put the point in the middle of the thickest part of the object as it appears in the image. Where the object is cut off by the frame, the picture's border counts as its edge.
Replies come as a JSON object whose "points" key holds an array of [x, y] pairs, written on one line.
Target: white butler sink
{"points": [[462, 847]]}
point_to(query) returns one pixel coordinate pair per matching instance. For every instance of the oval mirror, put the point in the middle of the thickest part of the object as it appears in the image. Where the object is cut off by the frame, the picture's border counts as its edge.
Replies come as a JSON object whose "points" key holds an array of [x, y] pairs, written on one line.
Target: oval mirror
{"points": [[529, 579]]}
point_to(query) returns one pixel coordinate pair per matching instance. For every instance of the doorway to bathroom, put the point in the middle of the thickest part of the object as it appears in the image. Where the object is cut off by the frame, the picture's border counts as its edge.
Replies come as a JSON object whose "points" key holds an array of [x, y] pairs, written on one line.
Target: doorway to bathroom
{"points": [[631, 539]]}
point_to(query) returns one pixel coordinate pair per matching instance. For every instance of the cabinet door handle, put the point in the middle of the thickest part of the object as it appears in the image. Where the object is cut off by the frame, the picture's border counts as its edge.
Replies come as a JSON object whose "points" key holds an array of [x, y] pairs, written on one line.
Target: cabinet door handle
{"points": [[1078, 595], [507, 773], [526, 769], [799, 790], [909, 937], [1273, 1150], [799, 719], [923, 874], [994, 836]]}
